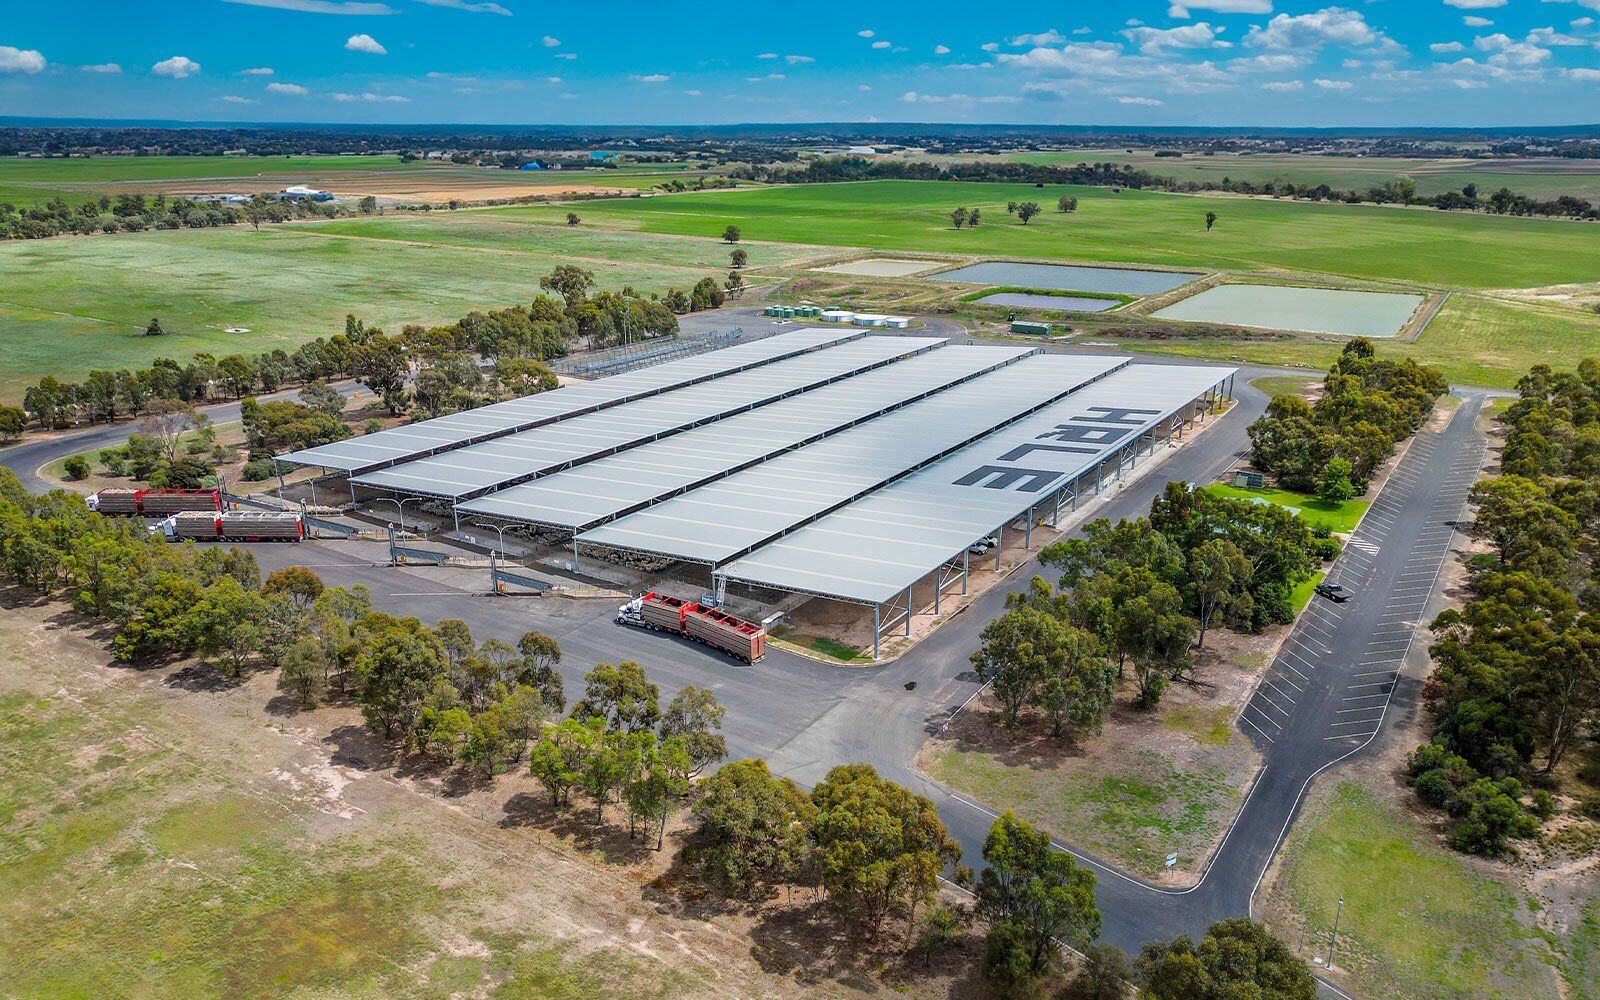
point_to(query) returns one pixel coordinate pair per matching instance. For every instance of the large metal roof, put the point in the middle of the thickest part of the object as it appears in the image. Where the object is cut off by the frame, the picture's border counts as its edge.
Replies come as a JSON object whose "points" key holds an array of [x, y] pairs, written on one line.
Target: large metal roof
{"points": [[515, 458], [619, 484], [729, 517], [873, 549], [429, 437]]}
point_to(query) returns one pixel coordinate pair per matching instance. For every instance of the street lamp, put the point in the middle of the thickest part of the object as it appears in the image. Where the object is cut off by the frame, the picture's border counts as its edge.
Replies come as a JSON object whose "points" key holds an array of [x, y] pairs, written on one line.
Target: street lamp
{"points": [[498, 528], [399, 505], [1333, 939]]}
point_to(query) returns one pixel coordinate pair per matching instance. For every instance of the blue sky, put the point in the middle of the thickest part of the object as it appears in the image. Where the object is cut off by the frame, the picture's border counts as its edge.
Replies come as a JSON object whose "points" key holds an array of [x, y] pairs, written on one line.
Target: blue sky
{"points": [[1185, 62]]}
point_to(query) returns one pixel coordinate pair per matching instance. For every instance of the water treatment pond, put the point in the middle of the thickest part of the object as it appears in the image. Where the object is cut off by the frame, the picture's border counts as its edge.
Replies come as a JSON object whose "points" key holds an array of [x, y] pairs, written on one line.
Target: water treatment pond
{"points": [[1068, 277], [1306, 310], [1051, 303], [880, 267]]}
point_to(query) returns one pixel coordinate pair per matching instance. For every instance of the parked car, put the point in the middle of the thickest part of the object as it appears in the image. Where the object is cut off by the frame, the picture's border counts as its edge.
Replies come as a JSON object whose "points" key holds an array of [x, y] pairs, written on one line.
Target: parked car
{"points": [[1334, 592], [983, 545]]}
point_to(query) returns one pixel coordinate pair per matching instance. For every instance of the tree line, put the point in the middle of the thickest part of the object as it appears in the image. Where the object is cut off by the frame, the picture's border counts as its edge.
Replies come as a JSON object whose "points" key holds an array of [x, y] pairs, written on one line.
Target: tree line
{"points": [[1516, 682], [1141, 595], [1368, 404], [133, 213]]}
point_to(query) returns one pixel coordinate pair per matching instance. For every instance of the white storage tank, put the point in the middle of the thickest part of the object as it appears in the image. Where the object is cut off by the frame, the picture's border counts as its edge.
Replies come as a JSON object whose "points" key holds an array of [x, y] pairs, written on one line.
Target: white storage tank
{"points": [[897, 322], [869, 319], [837, 316]]}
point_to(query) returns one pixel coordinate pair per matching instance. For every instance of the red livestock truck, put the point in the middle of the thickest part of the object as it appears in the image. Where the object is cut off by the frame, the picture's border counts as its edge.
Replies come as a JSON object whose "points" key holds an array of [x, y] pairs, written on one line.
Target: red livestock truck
{"points": [[153, 503], [718, 629]]}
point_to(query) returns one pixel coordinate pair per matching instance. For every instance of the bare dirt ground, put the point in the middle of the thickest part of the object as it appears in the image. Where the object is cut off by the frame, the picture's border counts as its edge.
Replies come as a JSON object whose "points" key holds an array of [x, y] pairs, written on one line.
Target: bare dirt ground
{"points": [[492, 887]]}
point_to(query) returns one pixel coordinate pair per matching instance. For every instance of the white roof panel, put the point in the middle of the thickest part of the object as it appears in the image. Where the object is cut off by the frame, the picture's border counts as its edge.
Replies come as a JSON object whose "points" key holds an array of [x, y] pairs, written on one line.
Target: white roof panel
{"points": [[514, 458], [619, 484], [729, 517], [426, 437], [876, 547]]}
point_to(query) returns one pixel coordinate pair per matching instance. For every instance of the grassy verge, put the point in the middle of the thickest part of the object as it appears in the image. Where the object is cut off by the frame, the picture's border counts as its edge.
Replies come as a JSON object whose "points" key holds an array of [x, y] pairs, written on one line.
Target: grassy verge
{"points": [[1284, 385], [1418, 921], [1303, 591], [1336, 517], [1133, 810], [830, 648], [1053, 292]]}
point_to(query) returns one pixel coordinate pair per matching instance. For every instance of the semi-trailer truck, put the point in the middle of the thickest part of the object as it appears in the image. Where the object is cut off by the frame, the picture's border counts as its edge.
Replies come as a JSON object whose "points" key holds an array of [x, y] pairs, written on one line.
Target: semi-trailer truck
{"points": [[717, 629], [153, 503], [232, 526]]}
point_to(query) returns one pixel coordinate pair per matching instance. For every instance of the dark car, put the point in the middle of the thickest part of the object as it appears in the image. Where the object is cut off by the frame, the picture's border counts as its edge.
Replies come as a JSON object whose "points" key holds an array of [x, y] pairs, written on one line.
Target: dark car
{"points": [[1333, 592]]}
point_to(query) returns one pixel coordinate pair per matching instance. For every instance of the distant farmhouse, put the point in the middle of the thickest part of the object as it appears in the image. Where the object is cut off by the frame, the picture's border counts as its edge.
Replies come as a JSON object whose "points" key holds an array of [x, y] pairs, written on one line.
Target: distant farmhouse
{"points": [[299, 192]]}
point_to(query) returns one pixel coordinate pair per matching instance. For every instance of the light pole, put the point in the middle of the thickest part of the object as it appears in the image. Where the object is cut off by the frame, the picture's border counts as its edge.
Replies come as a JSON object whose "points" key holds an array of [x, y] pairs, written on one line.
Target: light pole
{"points": [[1333, 939], [498, 528], [399, 505]]}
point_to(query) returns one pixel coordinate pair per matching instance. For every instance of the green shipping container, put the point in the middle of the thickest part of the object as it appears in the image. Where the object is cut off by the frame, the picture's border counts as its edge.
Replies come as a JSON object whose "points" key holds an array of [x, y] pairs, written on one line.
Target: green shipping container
{"points": [[1024, 326]]}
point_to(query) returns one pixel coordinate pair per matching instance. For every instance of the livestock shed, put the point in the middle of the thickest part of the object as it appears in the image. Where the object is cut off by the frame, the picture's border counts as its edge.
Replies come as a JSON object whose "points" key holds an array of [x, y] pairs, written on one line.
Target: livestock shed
{"points": [[832, 464]]}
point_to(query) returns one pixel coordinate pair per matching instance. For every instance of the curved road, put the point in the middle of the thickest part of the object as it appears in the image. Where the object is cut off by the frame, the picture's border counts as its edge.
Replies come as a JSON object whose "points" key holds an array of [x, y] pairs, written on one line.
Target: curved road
{"points": [[1324, 698]]}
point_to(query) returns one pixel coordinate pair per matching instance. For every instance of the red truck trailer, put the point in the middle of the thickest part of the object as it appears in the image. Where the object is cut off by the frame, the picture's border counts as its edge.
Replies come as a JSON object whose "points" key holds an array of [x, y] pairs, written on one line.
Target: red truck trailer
{"points": [[718, 629], [153, 503], [233, 526]]}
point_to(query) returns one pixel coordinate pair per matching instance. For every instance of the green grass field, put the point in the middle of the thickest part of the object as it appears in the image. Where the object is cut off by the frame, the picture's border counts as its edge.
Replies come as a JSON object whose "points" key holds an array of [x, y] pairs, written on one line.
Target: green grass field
{"points": [[26, 181], [71, 305], [1418, 922], [1336, 517], [1537, 177], [1434, 248]]}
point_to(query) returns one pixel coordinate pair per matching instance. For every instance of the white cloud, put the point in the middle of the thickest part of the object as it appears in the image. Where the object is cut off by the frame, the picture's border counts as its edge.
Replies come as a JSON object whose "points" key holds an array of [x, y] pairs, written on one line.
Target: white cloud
{"points": [[177, 67], [912, 97], [365, 43], [1474, 4], [1584, 74], [553, 80], [866, 33], [1329, 26], [1181, 8], [14, 60], [1050, 37], [256, 71], [372, 98], [111, 68], [1550, 36], [292, 89], [566, 55], [1447, 47], [550, 41], [990, 46], [941, 50], [760, 79], [651, 77], [1284, 86], [1143, 102], [864, 88], [569, 97], [1270, 62], [1333, 84], [798, 60], [320, 6], [1153, 41], [1084, 30], [235, 99], [1110, 64], [469, 7], [1508, 52], [1473, 21], [880, 45], [692, 93], [767, 55]]}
